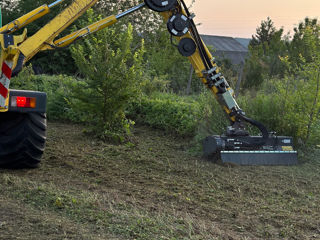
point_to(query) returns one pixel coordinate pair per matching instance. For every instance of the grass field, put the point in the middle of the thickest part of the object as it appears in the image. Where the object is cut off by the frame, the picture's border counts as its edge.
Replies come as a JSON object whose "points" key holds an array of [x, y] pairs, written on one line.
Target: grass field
{"points": [[151, 188]]}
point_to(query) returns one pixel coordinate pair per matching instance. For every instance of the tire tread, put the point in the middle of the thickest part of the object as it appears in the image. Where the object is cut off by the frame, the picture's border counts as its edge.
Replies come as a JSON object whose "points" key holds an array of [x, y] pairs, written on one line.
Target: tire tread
{"points": [[22, 139]]}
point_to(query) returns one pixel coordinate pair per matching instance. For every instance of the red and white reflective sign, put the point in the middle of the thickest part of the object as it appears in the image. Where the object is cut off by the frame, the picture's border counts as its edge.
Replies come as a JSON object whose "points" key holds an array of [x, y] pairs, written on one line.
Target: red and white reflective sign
{"points": [[5, 77]]}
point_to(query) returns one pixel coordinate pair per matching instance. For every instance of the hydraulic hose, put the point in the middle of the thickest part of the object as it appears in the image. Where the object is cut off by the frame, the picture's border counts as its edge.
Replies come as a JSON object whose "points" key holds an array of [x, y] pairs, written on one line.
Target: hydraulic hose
{"points": [[208, 65], [204, 56], [260, 126]]}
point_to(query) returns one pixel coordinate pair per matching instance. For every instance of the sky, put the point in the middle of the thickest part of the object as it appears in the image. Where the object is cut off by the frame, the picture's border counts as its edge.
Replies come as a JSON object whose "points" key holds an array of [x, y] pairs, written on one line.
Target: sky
{"points": [[240, 18]]}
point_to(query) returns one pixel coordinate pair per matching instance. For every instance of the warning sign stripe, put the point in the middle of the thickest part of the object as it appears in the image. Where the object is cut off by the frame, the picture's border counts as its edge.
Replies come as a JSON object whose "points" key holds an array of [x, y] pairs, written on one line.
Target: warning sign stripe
{"points": [[6, 70], [3, 91], [5, 77]]}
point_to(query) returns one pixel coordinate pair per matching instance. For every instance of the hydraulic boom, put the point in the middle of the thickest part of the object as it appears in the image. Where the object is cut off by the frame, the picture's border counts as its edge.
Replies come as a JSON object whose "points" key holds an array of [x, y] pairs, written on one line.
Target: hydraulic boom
{"points": [[236, 145]]}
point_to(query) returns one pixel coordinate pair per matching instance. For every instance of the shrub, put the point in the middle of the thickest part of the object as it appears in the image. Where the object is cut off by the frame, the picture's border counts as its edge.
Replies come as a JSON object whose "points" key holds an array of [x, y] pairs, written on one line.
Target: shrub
{"points": [[112, 69], [214, 120], [58, 89], [169, 112], [198, 116], [291, 109]]}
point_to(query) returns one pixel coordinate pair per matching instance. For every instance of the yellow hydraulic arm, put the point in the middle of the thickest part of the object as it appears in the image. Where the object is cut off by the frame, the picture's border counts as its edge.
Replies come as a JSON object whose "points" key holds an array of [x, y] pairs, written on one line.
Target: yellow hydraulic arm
{"points": [[28, 18], [180, 25], [201, 59], [228, 102], [16, 50], [49, 32], [97, 26]]}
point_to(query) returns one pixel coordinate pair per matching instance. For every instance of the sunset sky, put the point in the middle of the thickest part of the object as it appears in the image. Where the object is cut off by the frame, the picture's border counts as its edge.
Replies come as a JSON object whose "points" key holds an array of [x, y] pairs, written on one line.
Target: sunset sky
{"points": [[240, 18]]}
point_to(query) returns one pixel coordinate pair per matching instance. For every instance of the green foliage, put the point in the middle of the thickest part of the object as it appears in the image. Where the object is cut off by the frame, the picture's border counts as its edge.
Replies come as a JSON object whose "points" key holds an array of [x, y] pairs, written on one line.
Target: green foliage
{"points": [[58, 89], [285, 73], [25, 80], [254, 70], [164, 60], [265, 33], [213, 118], [265, 50], [155, 84], [169, 112], [305, 42], [59, 92], [112, 69], [290, 106], [196, 116], [269, 45]]}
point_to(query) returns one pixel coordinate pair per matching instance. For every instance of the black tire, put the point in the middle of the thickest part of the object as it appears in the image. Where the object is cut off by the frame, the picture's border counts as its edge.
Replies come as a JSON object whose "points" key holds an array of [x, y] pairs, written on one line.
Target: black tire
{"points": [[22, 139]]}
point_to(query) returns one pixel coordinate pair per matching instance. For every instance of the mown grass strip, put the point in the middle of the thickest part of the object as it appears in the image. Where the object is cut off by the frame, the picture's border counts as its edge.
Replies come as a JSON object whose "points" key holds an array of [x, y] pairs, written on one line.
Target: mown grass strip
{"points": [[117, 218]]}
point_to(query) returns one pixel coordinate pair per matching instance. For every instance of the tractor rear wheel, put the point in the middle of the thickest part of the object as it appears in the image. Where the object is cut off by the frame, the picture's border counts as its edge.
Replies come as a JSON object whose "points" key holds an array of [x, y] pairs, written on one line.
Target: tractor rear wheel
{"points": [[22, 139]]}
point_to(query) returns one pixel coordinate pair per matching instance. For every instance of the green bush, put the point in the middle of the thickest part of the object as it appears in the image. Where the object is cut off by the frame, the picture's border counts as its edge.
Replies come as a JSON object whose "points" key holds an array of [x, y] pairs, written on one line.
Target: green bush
{"points": [[214, 120], [198, 115], [168, 112], [58, 89], [60, 98], [291, 109]]}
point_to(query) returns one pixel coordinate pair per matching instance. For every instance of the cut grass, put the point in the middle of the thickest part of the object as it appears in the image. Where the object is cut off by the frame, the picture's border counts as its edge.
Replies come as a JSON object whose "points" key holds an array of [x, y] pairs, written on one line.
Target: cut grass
{"points": [[152, 188]]}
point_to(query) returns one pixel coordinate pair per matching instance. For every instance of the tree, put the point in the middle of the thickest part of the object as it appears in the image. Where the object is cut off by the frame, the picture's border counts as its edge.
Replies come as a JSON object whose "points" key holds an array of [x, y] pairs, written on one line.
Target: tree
{"points": [[112, 67], [163, 59], [254, 69], [264, 33], [306, 41], [265, 50]]}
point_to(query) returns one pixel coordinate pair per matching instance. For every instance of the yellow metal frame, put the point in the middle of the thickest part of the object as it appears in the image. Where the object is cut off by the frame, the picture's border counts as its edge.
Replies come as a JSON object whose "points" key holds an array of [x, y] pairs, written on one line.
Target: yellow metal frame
{"points": [[44, 38], [67, 40], [11, 52], [46, 35], [28, 47], [198, 65], [25, 20]]}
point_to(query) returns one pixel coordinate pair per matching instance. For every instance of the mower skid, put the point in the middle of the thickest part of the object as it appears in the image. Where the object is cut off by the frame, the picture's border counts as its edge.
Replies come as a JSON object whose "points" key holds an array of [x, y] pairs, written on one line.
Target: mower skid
{"points": [[257, 158]]}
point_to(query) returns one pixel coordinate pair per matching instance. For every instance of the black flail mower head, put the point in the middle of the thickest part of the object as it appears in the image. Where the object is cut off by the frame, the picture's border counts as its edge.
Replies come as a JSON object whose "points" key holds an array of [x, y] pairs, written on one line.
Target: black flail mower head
{"points": [[238, 147]]}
